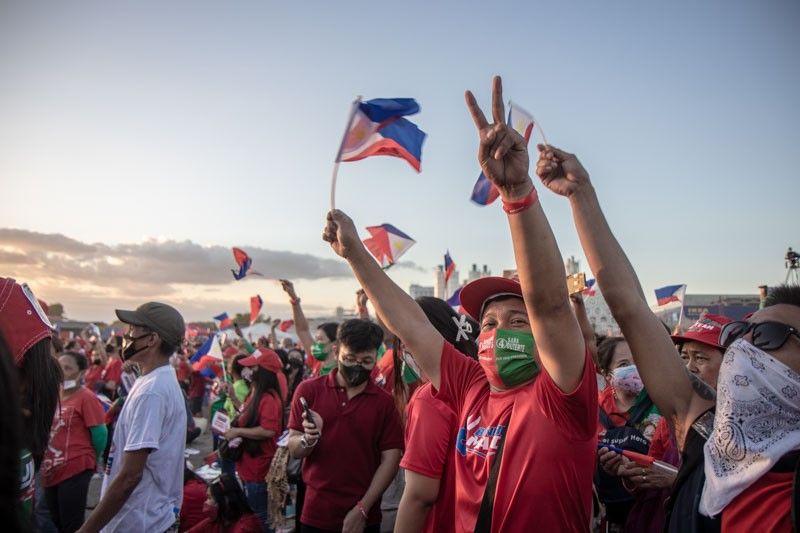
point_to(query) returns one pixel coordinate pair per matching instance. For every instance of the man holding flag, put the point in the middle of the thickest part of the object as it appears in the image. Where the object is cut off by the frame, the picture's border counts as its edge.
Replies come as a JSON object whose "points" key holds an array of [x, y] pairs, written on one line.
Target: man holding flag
{"points": [[528, 410]]}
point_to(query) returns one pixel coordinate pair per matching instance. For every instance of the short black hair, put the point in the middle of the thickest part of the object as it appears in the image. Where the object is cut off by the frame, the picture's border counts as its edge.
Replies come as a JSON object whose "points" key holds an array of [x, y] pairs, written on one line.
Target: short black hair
{"points": [[360, 335], [783, 294], [330, 329], [80, 360]]}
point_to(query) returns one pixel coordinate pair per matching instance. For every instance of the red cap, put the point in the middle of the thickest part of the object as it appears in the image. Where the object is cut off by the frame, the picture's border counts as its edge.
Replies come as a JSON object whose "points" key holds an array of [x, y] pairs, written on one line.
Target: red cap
{"points": [[476, 294], [265, 358], [23, 322], [706, 330]]}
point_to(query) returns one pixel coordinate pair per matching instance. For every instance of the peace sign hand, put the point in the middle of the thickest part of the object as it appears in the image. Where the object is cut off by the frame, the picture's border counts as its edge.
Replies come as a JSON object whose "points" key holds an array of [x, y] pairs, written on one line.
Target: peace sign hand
{"points": [[502, 152]]}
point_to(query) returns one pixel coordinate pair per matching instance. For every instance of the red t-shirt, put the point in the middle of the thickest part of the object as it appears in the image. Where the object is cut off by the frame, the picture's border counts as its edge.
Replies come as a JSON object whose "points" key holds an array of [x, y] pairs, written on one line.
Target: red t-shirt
{"points": [[431, 428], [270, 413], [766, 505], [93, 374], [355, 432], [70, 451], [184, 370], [197, 386], [194, 496], [113, 370], [246, 524], [545, 477]]}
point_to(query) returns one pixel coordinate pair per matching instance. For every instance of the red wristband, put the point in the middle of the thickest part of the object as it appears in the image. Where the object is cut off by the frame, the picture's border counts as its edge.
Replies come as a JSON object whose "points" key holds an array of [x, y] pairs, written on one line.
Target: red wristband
{"points": [[361, 509], [294, 301], [512, 208]]}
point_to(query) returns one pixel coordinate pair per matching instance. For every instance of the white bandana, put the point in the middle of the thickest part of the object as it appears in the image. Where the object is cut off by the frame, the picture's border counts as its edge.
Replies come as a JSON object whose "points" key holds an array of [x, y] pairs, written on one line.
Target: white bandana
{"points": [[757, 422]]}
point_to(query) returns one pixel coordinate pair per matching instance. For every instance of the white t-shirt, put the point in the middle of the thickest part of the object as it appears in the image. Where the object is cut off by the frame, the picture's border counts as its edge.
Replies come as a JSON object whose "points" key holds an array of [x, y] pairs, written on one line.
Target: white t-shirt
{"points": [[153, 416]]}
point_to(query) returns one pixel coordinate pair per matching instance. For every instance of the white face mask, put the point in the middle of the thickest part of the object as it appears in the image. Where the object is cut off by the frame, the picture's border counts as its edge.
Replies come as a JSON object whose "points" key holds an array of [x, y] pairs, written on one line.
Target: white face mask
{"points": [[757, 421], [247, 374], [70, 384], [627, 379]]}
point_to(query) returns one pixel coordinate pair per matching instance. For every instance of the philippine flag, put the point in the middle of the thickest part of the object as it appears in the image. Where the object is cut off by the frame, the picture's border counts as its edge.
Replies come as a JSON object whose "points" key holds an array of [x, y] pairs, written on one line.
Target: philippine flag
{"points": [[378, 128], [449, 267], [285, 325], [224, 321], [455, 299], [484, 193], [670, 293], [205, 349], [245, 263], [387, 243], [255, 308], [590, 289]]}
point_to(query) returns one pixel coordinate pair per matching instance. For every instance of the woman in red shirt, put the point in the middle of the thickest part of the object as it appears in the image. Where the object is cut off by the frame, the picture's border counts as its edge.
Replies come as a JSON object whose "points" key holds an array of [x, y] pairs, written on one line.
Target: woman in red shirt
{"points": [[78, 436], [428, 502], [260, 421], [227, 509]]}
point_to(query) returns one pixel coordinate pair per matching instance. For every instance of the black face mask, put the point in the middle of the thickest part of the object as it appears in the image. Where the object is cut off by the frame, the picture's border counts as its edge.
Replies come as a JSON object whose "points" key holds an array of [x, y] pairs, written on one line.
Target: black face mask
{"points": [[354, 375], [96, 361], [129, 350]]}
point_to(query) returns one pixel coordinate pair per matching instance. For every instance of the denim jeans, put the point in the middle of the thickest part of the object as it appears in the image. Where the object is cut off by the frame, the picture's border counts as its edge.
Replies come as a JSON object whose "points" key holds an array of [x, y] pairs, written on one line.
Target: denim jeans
{"points": [[256, 493]]}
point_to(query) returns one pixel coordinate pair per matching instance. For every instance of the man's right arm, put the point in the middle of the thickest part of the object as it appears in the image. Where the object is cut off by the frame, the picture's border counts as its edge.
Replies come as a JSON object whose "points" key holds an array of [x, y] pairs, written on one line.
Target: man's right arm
{"points": [[400, 312]]}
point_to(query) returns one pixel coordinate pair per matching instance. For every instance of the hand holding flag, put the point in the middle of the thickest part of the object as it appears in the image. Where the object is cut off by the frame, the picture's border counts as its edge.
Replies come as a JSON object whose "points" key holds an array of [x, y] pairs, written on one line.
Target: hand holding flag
{"points": [[341, 233], [502, 153], [560, 171]]}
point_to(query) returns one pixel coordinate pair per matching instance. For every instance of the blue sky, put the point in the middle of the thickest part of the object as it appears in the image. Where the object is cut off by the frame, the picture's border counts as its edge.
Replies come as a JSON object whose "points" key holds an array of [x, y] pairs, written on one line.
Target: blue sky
{"points": [[218, 122]]}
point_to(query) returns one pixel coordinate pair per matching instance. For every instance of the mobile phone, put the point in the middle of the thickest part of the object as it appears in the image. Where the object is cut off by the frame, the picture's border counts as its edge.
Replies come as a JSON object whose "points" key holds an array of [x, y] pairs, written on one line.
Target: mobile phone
{"points": [[576, 283], [306, 410]]}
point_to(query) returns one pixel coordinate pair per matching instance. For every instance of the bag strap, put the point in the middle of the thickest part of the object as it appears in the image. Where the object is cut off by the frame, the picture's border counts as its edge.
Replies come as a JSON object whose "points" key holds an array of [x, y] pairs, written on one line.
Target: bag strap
{"points": [[605, 421], [484, 522], [638, 414]]}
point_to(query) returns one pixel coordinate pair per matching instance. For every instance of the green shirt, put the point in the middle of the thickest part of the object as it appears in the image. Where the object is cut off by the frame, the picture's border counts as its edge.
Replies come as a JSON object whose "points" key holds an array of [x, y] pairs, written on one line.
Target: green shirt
{"points": [[241, 389]]}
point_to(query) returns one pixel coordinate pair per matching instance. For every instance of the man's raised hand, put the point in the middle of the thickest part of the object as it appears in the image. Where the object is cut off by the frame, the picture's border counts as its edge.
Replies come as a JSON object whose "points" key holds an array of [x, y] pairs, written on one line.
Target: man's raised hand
{"points": [[561, 172], [341, 233], [502, 153]]}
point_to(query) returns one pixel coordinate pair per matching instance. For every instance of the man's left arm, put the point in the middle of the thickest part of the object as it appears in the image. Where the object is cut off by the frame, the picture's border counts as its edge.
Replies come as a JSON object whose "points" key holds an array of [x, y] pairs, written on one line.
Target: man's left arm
{"points": [[121, 488], [390, 462]]}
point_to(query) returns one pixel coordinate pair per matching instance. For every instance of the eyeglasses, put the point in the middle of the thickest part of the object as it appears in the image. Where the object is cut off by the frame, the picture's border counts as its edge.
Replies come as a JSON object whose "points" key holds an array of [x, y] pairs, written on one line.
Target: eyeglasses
{"points": [[766, 335], [350, 360]]}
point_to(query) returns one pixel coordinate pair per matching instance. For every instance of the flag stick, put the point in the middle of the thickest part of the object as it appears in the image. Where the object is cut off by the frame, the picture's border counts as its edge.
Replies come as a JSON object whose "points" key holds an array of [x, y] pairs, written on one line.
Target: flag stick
{"points": [[353, 109]]}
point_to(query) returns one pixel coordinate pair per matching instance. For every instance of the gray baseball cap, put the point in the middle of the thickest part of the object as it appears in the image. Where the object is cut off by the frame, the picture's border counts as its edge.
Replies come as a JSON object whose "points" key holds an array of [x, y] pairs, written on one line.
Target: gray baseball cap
{"points": [[161, 318]]}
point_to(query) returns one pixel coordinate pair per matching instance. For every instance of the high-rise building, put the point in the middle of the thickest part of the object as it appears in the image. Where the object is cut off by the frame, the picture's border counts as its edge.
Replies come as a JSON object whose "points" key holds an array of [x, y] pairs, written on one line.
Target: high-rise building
{"points": [[418, 291]]}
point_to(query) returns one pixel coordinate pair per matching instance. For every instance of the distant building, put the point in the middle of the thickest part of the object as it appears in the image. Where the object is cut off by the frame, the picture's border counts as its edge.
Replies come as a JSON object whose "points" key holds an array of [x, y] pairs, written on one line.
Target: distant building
{"points": [[600, 315], [474, 273], [418, 291]]}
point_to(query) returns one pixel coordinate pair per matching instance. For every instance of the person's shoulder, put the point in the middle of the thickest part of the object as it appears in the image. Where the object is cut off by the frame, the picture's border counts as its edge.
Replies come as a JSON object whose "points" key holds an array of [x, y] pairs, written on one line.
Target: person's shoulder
{"points": [[312, 383]]}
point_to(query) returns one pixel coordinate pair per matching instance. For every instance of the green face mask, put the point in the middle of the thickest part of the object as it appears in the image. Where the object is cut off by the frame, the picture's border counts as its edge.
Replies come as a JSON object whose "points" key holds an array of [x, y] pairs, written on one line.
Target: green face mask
{"points": [[507, 357], [318, 351]]}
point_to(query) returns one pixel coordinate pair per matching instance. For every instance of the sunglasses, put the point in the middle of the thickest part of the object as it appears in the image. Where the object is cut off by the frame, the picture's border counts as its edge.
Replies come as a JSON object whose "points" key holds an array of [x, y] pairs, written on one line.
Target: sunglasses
{"points": [[766, 335]]}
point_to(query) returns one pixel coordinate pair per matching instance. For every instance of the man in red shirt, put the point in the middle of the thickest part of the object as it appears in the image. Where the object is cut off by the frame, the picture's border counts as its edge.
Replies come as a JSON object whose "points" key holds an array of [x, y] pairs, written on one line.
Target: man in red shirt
{"points": [[538, 400], [352, 441]]}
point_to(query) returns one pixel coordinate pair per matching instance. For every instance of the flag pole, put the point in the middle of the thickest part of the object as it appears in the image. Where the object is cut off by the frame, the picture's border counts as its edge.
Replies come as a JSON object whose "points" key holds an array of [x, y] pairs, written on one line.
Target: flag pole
{"points": [[353, 109], [680, 315]]}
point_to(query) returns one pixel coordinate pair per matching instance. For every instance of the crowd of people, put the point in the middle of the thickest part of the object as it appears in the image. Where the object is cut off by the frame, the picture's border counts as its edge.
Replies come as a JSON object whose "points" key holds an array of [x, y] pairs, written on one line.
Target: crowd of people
{"points": [[504, 415]]}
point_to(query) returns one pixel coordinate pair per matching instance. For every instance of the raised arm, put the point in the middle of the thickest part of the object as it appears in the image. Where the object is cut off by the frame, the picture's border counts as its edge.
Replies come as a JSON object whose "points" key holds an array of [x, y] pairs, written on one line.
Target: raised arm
{"points": [[659, 363], [589, 337], [399, 311], [300, 322], [503, 157]]}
